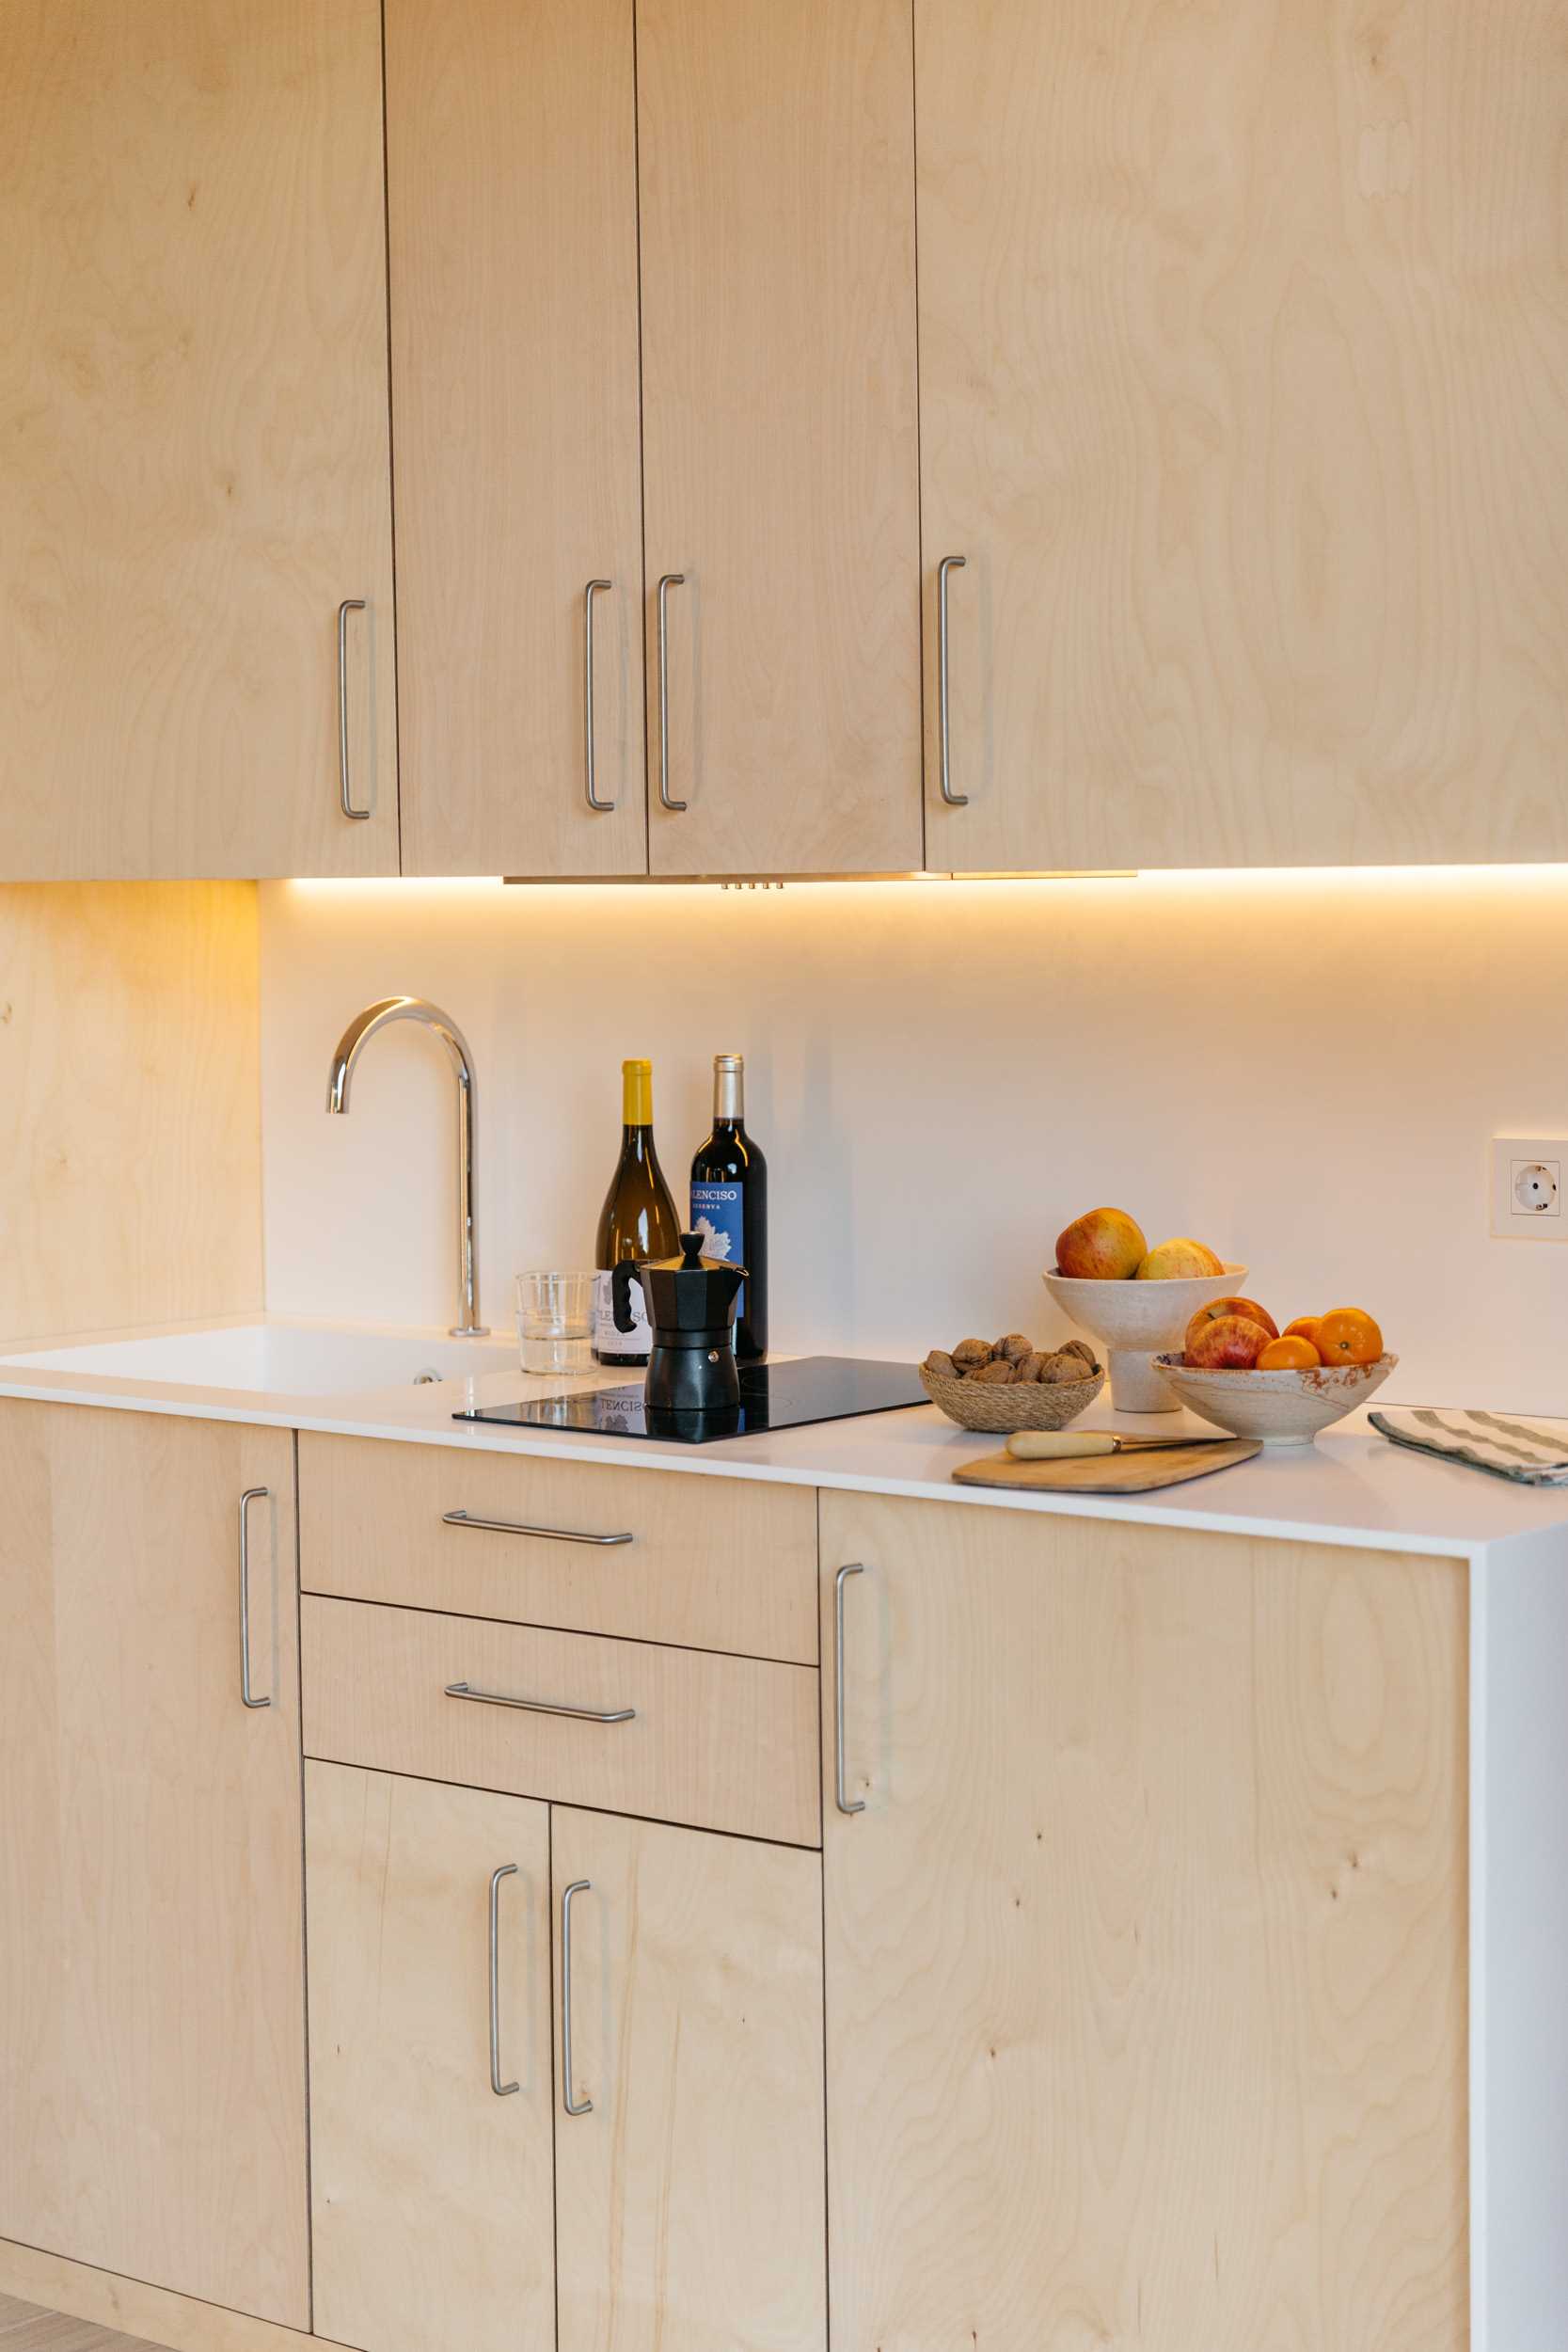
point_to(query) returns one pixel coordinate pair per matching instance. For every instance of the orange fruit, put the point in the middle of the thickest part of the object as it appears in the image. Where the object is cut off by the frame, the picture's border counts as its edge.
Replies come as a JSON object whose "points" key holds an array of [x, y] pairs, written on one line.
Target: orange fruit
{"points": [[1347, 1335], [1303, 1327], [1291, 1354]]}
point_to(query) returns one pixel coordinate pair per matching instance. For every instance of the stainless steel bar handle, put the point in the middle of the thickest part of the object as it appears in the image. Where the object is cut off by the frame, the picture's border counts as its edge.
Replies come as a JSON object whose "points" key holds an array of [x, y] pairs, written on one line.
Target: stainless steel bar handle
{"points": [[584, 2106], [600, 807], [502, 2091], [516, 1527], [540, 1707], [841, 1792], [251, 1494], [954, 800], [671, 580], [350, 604]]}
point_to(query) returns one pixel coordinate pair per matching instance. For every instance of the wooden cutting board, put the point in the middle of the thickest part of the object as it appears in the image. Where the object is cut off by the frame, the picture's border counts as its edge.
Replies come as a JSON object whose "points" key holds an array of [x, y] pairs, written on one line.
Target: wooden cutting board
{"points": [[1134, 1473]]}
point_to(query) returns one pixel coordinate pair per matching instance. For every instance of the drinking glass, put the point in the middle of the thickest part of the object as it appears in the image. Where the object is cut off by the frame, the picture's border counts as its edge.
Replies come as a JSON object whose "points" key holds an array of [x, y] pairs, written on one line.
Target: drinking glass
{"points": [[553, 1322]]}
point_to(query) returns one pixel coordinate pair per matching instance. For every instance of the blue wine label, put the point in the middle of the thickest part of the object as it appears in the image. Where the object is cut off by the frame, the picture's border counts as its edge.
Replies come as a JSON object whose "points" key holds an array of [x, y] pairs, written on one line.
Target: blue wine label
{"points": [[718, 1214]]}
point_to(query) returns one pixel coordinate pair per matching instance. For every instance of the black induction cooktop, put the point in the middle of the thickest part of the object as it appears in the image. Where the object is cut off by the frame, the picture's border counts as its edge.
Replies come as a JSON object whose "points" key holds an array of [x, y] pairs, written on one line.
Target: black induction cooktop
{"points": [[773, 1396]]}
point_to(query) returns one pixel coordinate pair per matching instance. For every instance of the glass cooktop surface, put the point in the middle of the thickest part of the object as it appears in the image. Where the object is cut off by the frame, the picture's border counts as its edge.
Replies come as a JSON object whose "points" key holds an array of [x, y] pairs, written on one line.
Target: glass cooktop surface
{"points": [[773, 1396]]}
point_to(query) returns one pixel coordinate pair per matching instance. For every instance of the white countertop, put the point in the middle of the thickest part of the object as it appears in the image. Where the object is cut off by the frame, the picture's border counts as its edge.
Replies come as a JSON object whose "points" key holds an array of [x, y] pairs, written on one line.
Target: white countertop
{"points": [[1351, 1488]]}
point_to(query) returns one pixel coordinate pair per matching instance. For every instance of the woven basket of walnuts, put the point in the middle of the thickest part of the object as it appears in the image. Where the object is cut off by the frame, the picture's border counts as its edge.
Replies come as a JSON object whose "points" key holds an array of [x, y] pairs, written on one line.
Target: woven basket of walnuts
{"points": [[997, 1387]]}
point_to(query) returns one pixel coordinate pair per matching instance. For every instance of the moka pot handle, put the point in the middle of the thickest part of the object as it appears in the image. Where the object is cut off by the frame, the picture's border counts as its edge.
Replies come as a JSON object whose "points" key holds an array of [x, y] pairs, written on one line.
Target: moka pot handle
{"points": [[623, 1275]]}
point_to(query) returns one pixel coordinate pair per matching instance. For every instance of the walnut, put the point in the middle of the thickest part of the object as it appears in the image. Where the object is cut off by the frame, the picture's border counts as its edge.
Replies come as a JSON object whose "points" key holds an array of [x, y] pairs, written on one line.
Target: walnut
{"points": [[998, 1374], [1058, 1368], [1030, 1368], [970, 1354], [1015, 1347], [940, 1365], [1079, 1348]]}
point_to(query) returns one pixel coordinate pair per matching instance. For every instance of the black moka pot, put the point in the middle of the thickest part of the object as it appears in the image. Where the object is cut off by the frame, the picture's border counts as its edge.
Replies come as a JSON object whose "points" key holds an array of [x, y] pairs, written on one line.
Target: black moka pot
{"points": [[692, 1303]]}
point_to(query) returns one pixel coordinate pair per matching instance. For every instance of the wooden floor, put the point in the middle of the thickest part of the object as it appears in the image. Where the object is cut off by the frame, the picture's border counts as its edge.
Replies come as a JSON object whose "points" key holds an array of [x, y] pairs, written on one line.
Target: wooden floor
{"points": [[26, 2327]]}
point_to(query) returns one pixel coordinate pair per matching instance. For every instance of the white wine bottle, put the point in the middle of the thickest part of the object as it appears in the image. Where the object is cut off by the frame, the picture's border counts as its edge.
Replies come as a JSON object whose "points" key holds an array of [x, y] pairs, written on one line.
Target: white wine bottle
{"points": [[638, 1220]]}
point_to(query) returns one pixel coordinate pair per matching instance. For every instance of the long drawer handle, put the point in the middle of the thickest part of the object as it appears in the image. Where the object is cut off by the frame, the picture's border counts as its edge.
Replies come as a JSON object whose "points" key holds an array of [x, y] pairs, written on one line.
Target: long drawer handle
{"points": [[543, 1707], [841, 1792], [584, 2106], [247, 1697], [502, 2091], [515, 1526], [345, 793]]}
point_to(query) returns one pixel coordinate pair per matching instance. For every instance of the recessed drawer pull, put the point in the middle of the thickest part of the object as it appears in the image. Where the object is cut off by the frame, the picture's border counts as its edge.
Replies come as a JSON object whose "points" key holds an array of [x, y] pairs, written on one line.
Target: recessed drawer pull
{"points": [[543, 1707], [515, 1527]]}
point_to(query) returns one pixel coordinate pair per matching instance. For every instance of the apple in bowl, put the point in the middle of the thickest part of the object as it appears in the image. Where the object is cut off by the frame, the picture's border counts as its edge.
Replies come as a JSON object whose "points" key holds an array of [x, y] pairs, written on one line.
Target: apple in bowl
{"points": [[1226, 1343], [1219, 1311]]}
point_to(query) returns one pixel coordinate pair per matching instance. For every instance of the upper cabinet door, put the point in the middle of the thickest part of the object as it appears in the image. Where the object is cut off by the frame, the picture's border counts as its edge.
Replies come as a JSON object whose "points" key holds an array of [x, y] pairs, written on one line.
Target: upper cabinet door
{"points": [[779, 434], [192, 413], [1244, 399], [512, 195]]}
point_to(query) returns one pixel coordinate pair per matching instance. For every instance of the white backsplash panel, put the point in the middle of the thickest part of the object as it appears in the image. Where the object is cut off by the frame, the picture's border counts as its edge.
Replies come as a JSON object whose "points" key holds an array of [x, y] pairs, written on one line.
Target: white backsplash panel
{"points": [[1304, 1070]]}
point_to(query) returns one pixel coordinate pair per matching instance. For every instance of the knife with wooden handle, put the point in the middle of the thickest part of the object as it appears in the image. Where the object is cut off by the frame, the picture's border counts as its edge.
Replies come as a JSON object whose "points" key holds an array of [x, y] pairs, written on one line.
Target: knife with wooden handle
{"points": [[1057, 1445]]}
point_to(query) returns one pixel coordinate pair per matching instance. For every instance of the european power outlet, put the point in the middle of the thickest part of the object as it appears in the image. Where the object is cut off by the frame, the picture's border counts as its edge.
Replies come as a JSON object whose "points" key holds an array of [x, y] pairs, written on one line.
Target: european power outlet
{"points": [[1527, 1187]]}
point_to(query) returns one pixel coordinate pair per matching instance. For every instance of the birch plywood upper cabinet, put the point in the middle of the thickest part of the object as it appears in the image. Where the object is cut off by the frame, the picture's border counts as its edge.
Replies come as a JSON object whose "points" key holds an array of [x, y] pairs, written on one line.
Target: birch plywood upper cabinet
{"points": [[776, 168], [1244, 400], [511, 191], [194, 473]]}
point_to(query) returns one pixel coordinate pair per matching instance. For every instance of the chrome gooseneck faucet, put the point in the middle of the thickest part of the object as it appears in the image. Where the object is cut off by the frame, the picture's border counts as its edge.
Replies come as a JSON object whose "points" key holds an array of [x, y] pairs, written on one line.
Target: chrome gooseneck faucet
{"points": [[350, 1045]]}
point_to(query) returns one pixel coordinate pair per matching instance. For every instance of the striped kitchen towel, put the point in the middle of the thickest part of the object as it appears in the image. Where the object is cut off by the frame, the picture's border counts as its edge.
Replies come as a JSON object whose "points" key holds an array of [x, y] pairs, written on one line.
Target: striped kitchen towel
{"points": [[1534, 1452]]}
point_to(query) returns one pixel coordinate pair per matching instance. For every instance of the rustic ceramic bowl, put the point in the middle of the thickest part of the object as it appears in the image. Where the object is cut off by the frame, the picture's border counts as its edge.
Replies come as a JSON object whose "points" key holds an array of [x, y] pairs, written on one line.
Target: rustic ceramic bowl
{"points": [[1025, 1405], [1132, 1317], [1281, 1408]]}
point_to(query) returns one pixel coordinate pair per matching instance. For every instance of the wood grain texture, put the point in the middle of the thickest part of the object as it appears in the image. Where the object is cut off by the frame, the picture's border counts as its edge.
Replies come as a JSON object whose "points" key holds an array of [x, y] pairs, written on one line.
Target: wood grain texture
{"points": [[691, 2200], [512, 197], [151, 1960], [722, 1743], [1146, 1961], [130, 1105], [193, 423], [714, 1563], [778, 430], [432, 2199], [1244, 393], [1137, 1471], [177, 2323]]}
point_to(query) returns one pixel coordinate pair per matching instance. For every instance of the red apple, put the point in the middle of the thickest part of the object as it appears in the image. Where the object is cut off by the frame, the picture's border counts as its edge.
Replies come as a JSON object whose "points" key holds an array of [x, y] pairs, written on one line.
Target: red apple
{"points": [[1103, 1246], [1230, 1343], [1217, 1308]]}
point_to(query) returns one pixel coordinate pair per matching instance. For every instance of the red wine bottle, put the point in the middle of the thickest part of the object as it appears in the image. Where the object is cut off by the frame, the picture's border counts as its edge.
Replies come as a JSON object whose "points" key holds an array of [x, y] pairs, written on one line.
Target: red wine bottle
{"points": [[729, 1202]]}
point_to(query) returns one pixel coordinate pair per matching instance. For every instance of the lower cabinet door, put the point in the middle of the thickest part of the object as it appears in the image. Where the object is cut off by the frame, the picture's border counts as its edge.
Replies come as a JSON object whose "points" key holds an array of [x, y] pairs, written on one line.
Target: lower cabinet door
{"points": [[1145, 1949], [429, 1987], [689, 2124], [151, 1960]]}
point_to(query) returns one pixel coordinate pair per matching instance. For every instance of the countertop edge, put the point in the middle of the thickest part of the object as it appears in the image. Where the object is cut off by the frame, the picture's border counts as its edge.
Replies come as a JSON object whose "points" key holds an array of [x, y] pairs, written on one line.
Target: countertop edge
{"points": [[1152, 1510]]}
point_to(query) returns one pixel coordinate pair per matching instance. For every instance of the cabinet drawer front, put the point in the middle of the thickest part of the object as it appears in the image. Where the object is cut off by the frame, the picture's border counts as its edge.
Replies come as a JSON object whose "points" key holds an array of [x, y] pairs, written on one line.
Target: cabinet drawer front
{"points": [[679, 1735], [722, 1564]]}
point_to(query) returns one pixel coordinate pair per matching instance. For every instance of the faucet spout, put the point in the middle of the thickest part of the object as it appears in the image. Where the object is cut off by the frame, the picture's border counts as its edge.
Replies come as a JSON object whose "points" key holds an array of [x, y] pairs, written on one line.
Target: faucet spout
{"points": [[340, 1075]]}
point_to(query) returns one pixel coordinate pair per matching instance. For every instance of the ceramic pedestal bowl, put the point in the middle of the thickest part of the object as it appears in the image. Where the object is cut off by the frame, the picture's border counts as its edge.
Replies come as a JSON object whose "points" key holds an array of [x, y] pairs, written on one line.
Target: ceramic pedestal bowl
{"points": [[1281, 1408], [1132, 1320]]}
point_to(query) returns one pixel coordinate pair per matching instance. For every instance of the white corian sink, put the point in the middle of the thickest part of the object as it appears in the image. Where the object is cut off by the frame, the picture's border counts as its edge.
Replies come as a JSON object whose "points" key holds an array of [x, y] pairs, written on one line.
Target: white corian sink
{"points": [[288, 1358]]}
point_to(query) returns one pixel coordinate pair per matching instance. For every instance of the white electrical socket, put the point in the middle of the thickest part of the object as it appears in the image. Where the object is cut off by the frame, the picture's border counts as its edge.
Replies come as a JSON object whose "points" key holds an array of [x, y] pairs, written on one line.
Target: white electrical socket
{"points": [[1527, 1187]]}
